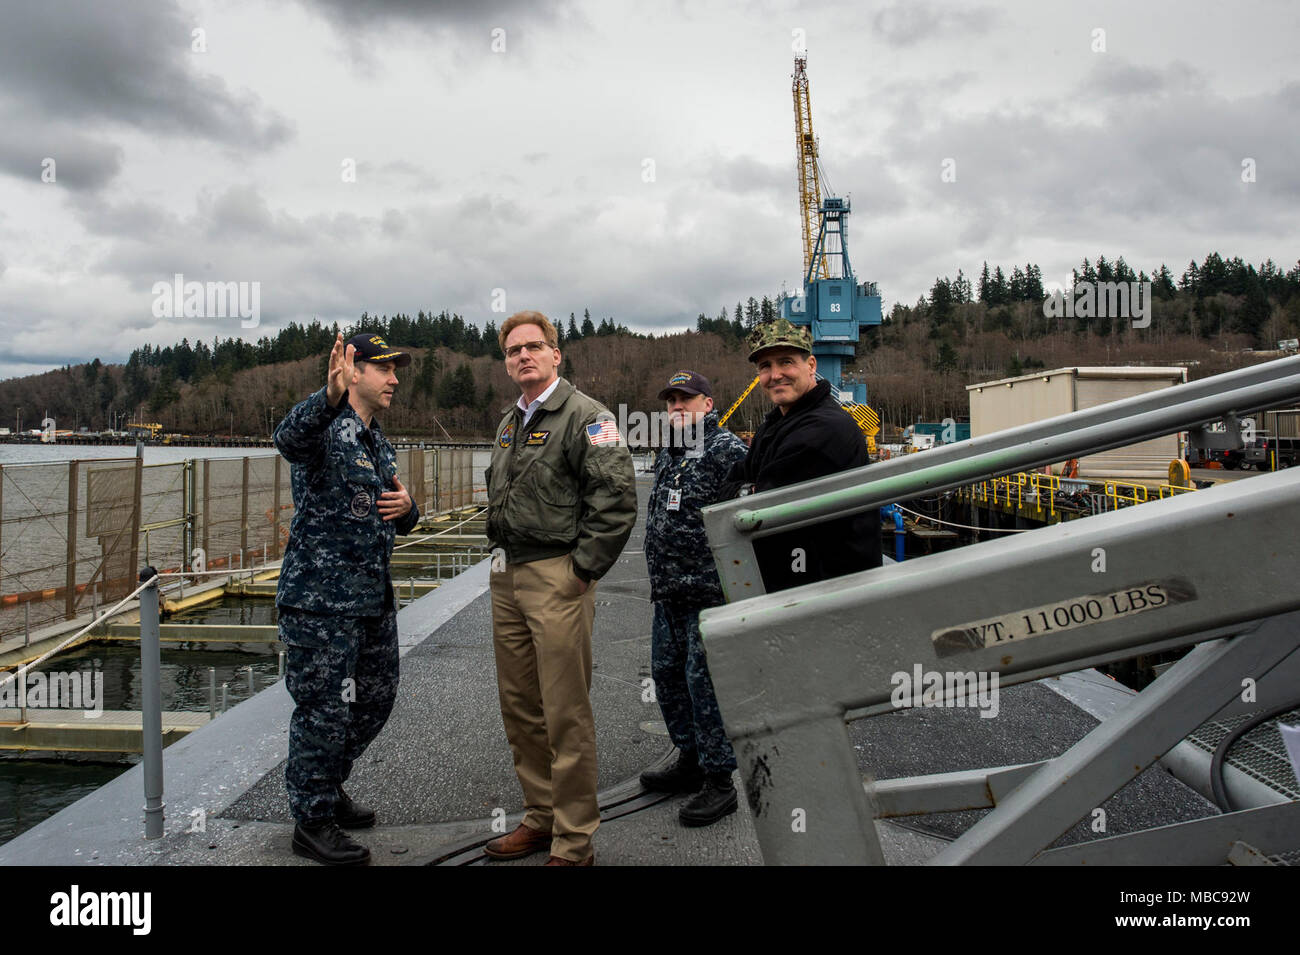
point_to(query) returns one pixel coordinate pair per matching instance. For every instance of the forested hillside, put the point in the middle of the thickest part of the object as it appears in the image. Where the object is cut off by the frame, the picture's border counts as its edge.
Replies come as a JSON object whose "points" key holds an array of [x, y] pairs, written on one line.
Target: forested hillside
{"points": [[1216, 315]]}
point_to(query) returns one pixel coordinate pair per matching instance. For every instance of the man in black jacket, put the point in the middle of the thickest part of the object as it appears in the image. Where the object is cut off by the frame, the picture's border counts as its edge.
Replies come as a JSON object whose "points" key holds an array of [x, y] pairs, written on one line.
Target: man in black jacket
{"points": [[807, 435]]}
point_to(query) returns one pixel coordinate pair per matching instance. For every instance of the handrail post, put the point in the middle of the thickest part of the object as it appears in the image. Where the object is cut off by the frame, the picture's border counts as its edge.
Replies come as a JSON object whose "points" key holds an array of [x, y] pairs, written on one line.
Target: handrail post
{"points": [[151, 706]]}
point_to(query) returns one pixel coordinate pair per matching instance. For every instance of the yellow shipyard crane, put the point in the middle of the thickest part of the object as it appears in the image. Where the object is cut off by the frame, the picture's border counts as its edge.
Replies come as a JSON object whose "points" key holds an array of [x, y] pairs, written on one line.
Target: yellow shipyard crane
{"points": [[833, 304], [810, 187]]}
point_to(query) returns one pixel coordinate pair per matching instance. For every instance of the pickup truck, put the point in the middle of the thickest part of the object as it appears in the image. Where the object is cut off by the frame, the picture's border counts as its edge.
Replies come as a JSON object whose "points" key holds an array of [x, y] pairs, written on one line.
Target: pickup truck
{"points": [[1265, 450]]}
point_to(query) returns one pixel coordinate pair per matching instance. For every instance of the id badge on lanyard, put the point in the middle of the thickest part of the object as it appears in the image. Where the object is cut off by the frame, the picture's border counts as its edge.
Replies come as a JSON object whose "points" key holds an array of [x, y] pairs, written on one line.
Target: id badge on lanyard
{"points": [[674, 499]]}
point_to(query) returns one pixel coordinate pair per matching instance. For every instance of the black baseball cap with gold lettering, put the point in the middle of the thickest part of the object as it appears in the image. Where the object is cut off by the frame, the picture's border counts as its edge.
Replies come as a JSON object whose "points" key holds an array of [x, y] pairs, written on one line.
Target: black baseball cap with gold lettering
{"points": [[372, 347], [688, 383]]}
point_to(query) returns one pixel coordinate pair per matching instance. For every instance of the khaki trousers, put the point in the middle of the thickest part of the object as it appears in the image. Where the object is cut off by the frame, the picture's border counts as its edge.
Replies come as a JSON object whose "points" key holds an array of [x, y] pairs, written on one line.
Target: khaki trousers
{"points": [[541, 629]]}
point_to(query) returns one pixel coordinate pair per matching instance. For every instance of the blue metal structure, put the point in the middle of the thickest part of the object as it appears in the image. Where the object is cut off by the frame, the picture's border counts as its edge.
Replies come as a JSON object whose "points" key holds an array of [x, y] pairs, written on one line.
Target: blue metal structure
{"points": [[833, 303]]}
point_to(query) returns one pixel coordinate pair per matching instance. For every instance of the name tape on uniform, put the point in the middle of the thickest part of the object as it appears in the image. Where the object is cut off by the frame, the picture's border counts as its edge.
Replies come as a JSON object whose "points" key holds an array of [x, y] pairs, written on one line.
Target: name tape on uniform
{"points": [[1072, 614]]}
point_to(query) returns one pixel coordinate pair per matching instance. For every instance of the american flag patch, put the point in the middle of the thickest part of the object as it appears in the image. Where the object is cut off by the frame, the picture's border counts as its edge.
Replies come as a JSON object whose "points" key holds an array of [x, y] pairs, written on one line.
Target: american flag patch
{"points": [[604, 432]]}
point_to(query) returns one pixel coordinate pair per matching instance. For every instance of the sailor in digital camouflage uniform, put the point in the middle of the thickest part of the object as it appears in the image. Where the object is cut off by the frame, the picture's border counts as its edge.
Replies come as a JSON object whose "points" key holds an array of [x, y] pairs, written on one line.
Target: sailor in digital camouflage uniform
{"points": [[684, 580], [338, 615]]}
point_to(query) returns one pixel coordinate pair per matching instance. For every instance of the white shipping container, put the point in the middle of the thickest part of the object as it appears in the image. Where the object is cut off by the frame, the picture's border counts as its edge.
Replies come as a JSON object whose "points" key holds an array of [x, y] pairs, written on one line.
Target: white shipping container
{"points": [[1009, 402]]}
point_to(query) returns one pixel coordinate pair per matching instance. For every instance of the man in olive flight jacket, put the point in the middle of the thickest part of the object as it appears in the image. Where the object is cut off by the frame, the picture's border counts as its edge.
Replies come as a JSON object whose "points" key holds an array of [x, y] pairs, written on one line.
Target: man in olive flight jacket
{"points": [[561, 506]]}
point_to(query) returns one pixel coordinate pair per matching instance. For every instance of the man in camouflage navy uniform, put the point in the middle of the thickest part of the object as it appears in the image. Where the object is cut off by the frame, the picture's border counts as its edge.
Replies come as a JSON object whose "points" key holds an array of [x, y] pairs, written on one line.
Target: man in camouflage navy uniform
{"points": [[683, 581], [338, 615]]}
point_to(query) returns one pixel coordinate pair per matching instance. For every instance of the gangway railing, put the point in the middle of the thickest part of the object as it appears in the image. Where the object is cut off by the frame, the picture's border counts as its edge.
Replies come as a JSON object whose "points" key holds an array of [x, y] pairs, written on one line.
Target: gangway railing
{"points": [[791, 668]]}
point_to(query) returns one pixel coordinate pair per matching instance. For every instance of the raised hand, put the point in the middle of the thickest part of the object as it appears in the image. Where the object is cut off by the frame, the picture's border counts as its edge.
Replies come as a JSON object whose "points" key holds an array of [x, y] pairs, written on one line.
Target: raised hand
{"points": [[342, 370]]}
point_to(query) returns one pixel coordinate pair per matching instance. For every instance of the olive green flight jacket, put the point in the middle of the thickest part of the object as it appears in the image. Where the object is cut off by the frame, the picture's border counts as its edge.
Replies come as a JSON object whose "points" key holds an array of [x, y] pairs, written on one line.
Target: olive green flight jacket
{"points": [[563, 485]]}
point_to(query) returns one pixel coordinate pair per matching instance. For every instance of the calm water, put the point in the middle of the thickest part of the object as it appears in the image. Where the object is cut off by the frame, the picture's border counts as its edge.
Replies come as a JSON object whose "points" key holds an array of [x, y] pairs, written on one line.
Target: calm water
{"points": [[33, 788], [159, 454]]}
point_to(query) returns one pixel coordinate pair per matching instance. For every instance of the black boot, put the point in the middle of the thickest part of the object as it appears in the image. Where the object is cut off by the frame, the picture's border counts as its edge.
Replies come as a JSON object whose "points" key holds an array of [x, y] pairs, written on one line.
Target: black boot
{"points": [[683, 776], [328, 844], [351, 816], [715, 800]]}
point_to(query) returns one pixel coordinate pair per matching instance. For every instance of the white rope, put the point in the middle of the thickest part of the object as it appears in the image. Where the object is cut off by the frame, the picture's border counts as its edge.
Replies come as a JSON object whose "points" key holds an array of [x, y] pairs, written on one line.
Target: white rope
{"points": [[218, 573], [991, 530], [420, 540], [49, 653]]}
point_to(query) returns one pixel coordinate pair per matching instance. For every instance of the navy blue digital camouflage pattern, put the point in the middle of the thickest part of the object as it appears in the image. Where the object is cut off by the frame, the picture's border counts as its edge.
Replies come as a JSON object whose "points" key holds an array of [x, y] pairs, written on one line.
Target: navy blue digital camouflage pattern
{"points": [[342, 673], [676, 548], [683, 580], [338, 615], [685, 689], [337, 558]]}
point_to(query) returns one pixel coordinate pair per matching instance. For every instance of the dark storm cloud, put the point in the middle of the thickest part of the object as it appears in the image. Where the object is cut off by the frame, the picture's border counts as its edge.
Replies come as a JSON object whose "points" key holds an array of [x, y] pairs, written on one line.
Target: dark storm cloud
{"points": [[130, 62], [81, 163]]}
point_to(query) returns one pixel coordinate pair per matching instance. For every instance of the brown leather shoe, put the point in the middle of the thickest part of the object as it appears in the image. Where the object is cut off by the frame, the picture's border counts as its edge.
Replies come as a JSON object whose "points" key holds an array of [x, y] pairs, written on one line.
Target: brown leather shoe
{"points": [[522, 842], [556, 860]]}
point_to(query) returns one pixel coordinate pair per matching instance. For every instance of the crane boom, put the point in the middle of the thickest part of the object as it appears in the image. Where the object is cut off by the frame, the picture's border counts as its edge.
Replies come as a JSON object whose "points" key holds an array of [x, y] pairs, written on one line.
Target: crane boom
{"points": [[805, 144]]}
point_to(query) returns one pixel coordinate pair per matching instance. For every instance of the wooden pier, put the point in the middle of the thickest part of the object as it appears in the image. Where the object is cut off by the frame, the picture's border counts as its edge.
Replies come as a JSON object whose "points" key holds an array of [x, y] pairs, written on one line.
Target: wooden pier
{"points": [[80, 731]]}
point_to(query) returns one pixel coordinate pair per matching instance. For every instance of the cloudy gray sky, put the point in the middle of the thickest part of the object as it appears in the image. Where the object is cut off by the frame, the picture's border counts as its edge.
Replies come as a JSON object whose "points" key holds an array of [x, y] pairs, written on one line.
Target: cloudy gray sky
{"points": [[635, 158]]}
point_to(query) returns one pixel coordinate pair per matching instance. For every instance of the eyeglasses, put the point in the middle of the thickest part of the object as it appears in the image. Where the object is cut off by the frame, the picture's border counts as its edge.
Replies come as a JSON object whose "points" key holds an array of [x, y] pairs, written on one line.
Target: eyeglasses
{"points": [[534, 348]]}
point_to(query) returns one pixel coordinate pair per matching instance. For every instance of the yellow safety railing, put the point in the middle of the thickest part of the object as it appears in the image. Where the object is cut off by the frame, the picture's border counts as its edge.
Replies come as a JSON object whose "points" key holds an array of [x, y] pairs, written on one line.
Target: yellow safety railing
{"points": [[1123, 492], [1038, 490]]}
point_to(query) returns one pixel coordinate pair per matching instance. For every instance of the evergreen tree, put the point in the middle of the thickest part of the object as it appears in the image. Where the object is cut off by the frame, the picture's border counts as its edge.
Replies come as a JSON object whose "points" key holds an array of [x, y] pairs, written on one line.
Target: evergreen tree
{"points": [[1017, 288], [998, 292], [426, 377], [573, 333], [1034, 283], [588, 329], [457, 389], [1162, 283], [941, 301], [492, 347]]}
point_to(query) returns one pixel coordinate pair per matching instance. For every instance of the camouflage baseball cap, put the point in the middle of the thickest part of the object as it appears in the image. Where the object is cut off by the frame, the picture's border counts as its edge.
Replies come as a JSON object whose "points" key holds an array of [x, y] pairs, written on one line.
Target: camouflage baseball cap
{"points": [[781, 333]]}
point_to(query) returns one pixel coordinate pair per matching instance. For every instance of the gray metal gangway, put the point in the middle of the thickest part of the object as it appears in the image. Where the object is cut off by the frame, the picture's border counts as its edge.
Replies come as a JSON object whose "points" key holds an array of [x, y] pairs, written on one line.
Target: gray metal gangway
{"points": [[1218, 568]]}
